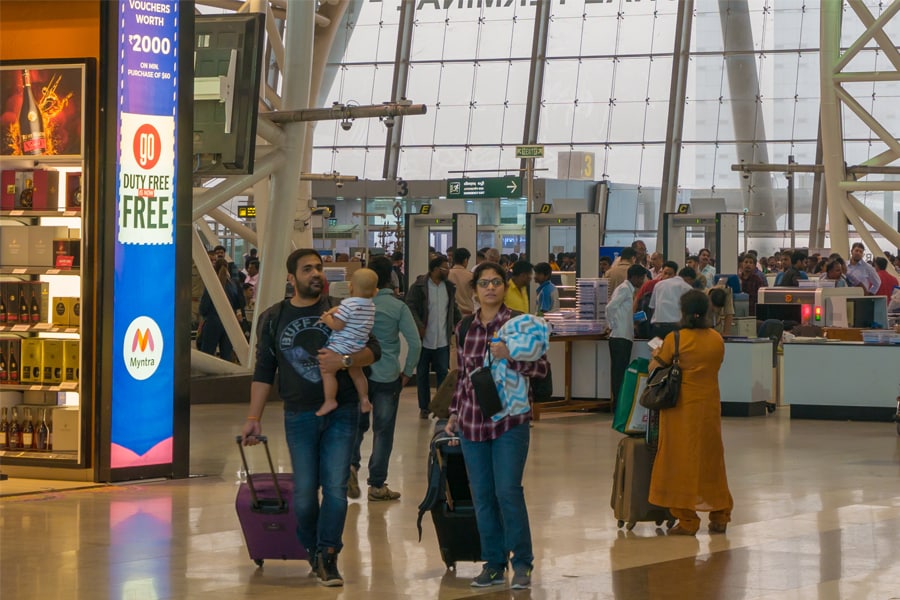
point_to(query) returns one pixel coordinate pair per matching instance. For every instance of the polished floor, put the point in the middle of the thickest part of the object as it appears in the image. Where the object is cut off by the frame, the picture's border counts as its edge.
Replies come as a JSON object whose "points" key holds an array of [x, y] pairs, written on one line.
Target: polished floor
{"points": [[817, 515]]}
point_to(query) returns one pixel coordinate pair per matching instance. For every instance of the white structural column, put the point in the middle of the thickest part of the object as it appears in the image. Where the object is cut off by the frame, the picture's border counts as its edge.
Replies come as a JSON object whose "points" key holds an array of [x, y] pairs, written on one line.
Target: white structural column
{"points": [[842, 205], [285, 181], [675, 121], [322, 44], [746, 110]]}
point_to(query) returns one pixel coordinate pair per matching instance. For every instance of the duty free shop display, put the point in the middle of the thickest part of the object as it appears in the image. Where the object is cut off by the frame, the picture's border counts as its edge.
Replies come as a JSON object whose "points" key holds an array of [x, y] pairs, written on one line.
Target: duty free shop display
{"points": [[38, 190]]}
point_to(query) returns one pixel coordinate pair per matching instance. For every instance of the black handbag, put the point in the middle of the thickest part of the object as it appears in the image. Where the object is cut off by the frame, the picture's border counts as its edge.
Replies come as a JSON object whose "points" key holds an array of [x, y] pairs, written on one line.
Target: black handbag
{"points": [[663, 385], [485, 389]]}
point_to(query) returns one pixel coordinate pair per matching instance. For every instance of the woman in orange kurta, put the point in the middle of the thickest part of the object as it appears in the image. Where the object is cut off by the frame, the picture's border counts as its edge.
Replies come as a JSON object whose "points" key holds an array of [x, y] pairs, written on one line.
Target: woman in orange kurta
{"points": [[689, 471]]}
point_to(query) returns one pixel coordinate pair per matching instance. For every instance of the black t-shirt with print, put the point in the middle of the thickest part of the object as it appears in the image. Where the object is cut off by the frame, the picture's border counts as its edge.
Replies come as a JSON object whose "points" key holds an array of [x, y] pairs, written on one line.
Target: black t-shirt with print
{"points": [[292, 353]]}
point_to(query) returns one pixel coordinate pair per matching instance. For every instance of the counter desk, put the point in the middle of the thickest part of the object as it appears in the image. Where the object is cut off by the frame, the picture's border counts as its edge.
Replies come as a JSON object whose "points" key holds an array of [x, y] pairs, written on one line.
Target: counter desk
{"points": [[841, 380], [581, 369]]}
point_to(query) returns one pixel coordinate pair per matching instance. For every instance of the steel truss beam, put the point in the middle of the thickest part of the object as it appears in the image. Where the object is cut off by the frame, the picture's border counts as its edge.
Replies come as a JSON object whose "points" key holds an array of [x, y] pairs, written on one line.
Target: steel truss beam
{"points": [[839, 180]]}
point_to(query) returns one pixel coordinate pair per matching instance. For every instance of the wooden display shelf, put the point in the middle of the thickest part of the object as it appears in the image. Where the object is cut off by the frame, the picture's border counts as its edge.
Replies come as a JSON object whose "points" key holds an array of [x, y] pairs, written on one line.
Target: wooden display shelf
{"points": [[68, 386], [33, 214], [567, 404], [39, 328], [39, 271]]}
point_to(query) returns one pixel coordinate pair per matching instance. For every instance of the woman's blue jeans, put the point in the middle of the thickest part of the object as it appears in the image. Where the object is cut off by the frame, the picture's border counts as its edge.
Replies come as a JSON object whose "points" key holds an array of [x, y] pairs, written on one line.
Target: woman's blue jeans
{"points": [[495, 470], [320, 449]]}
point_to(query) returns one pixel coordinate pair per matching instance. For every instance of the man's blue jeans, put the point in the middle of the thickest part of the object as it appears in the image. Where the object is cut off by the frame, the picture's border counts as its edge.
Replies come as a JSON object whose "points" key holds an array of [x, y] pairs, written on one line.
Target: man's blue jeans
{"points": [[431, 358], [385, 398], [495, 470], [320, 449]]}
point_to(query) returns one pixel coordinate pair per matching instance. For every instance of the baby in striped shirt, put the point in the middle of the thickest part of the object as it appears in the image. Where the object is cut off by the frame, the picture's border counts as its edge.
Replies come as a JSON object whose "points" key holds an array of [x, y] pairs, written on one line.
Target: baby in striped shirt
{"points": [[351, 323]]}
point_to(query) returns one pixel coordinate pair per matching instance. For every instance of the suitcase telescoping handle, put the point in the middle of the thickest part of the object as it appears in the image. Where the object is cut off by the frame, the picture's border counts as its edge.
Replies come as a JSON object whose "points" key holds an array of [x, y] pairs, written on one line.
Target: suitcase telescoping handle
{"points": [[282, 505]]}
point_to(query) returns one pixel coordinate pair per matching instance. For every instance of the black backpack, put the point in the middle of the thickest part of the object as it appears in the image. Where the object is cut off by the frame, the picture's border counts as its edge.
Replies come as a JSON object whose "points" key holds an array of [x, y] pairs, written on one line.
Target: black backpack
{"points": [[541, 387]]}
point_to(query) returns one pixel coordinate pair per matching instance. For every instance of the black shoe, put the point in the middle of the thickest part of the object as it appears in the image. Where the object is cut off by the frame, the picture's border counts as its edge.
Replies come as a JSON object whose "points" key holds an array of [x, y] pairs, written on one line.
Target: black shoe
{"points": [[326, 569], [423, 414]]}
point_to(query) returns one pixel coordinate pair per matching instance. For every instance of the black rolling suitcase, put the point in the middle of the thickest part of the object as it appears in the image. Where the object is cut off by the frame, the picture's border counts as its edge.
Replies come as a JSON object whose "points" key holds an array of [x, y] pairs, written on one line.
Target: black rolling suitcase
{"points": [[450, 502]]}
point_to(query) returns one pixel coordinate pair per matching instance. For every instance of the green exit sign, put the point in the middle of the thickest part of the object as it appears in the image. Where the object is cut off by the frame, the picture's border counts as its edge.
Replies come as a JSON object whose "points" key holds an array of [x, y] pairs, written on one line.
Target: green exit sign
{"points": [[485, 187], [530, 151]]}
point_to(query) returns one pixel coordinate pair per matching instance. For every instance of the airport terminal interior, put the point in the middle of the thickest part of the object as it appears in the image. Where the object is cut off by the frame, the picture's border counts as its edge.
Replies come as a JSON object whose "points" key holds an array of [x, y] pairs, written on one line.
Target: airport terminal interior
{"points": [[383, 127], [816, 517]]}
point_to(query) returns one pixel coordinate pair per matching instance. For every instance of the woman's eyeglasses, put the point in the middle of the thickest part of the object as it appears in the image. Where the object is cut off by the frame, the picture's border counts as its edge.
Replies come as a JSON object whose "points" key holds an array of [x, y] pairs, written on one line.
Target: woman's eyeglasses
{"points": [[496, 282]]}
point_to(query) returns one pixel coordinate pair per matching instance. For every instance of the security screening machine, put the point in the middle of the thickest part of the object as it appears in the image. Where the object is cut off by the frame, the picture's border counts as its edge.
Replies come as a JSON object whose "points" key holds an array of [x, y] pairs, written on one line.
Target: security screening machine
{"points": [[829, 306], [720, 234], [417, 238]]}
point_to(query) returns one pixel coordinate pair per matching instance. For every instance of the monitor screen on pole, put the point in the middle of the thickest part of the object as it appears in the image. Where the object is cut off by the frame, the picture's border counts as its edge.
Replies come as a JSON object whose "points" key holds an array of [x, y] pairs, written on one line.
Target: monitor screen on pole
{"points": [[227, 64]]}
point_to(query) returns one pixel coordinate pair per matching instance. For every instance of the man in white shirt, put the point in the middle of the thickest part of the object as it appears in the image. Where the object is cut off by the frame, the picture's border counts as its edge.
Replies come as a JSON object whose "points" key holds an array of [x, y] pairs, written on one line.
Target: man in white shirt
{"points": [[666, 302], [707, 271], [621, 327], [860, 273]]}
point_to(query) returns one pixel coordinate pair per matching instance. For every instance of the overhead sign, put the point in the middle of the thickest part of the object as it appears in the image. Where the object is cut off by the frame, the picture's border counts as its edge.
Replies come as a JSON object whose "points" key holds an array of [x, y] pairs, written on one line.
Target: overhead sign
{"points": [[485, 187], [530, 151], [143, 380], [246, 212], [546, 208], [425, 209]]}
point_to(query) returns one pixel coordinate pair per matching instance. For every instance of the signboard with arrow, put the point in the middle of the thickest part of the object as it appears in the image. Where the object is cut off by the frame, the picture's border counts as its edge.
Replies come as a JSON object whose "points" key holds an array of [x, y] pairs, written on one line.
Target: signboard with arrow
{"points": [[485, 187]]}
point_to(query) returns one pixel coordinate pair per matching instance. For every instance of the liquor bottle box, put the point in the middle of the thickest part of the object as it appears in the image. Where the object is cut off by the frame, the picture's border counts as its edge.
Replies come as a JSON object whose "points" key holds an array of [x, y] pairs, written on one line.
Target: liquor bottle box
{"points": [[41, 398], [74, 192], [13, 354], [37, 190], [31, 360], [39, 302], [67, 247], [7, 190], [42, 251], [15, 241], [67, 311], [10, 294], [51, 361], [23, 306], [65, 429], [71, 360]]}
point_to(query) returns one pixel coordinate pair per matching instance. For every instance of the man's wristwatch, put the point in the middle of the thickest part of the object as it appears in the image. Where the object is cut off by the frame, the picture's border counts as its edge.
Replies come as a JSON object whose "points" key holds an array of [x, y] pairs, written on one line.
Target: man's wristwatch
{"points": [[347, 361]]}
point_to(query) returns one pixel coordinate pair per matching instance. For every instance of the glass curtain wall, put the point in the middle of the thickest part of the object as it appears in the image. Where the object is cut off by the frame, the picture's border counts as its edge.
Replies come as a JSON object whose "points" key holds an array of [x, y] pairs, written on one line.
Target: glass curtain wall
{"points": [[752, 95]]}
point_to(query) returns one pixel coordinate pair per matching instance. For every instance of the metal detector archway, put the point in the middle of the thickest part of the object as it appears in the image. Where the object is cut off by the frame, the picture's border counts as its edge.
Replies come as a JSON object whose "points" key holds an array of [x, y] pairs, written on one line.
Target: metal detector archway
{"points": [[464, 228], [721, 236]]}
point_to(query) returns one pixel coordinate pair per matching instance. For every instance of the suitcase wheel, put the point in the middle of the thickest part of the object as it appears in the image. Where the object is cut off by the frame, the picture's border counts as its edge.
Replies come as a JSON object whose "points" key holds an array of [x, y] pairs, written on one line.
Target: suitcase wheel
{"points": [[659, 522], [259, 562], [620, 523], [670, 523], [630, 525], [451, 566]]}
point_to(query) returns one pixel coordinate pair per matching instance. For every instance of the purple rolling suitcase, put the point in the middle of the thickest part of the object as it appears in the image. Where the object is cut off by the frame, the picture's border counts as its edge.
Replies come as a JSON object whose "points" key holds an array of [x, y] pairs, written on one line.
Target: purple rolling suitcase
{"points": [[264, 509]]}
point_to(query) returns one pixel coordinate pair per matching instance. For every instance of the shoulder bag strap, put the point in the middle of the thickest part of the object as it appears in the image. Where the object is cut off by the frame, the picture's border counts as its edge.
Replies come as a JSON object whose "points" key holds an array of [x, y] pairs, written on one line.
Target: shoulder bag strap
{"points": [[675, 358]]}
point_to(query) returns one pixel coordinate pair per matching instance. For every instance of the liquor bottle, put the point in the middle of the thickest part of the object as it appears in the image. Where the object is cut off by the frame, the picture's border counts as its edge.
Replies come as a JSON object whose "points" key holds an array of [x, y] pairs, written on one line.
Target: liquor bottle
{"points": [[13, 368], [50, 433], [42, 439], [35, 309], [14, 434], [4, 372], [28, 431], [26, 197], [4, 431], [2, 309], [31, 122], [23, 307]]}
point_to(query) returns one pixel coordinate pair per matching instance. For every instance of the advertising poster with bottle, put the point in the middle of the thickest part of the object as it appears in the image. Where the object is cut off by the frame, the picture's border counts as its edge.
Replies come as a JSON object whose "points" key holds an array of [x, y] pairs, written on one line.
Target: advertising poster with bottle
{"points": [[42, 110], [144, 308]]}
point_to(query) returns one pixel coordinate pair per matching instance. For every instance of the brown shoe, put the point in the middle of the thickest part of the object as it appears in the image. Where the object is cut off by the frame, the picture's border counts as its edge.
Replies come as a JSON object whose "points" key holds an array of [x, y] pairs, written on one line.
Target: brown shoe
{"points": [[353, 484], [679, 530], [718, 527]]}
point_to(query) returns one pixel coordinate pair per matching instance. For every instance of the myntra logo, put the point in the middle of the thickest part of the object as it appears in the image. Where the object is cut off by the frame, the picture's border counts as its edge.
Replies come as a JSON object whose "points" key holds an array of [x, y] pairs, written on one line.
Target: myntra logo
{"points": [[142, 340], [142, 347]]}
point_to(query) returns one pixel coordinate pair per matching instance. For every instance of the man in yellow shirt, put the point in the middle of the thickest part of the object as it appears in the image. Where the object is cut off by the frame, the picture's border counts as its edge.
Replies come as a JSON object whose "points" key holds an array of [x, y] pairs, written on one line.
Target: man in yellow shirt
{"points": [[517, 293]]}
